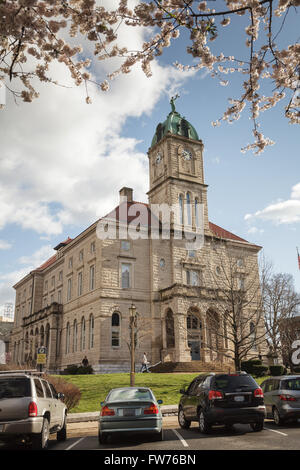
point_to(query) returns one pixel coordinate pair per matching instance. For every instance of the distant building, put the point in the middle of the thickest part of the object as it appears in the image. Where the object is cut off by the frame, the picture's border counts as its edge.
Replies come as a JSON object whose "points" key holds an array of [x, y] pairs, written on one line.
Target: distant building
{"points": [[77, 302], [5, 331]]}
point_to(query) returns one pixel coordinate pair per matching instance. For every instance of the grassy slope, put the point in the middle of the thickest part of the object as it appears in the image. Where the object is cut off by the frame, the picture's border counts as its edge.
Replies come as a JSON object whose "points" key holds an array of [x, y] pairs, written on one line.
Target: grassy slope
{"points": [[94, 388]]}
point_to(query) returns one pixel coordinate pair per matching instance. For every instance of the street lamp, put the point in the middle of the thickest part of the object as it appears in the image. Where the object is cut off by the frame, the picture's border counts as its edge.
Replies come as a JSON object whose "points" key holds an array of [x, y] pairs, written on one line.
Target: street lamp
{"points": [[132, 325]]}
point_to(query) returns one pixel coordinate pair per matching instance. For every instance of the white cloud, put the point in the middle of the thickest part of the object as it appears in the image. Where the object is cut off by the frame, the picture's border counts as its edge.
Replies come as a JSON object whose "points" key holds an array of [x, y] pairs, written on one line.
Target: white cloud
{"points": [[63, 161], [256, 230], [38, 257], [281, 212], [4, 245]]}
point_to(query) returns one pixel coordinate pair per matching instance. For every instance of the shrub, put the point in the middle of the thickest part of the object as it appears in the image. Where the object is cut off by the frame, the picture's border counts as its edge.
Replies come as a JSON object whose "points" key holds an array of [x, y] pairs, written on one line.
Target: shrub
{"points": [[71, 369], [85, 370], [71, 392], [248, 366], [277, 370], [259, 370]]}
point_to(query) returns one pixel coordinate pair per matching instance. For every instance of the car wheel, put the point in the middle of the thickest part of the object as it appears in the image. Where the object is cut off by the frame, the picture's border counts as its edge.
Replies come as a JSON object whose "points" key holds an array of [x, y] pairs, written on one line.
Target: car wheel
{"points": [[41, 440], [257, 426], [277, 418], [102, 438], [62, 434], [183, 423], [204, 426]]}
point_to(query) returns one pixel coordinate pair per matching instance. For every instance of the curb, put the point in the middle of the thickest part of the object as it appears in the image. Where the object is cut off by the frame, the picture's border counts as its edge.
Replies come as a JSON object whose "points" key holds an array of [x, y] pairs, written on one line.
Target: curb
{"points": [[167, 410]]}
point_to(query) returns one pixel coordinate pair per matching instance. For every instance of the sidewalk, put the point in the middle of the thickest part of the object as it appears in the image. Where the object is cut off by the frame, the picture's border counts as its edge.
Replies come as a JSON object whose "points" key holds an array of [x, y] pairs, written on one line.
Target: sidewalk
{"points": [[167, 410]]}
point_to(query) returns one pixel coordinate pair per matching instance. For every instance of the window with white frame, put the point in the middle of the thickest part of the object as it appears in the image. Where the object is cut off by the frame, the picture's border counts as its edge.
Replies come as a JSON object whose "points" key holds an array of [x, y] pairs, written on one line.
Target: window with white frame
{"points": [[92, 277], [126, 275], [80, 280], [115, 330]]}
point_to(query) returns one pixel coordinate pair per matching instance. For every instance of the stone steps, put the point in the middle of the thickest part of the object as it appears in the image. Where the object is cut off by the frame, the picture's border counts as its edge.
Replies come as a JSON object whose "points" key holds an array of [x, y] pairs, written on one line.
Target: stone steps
{"points": [[193, 366]]}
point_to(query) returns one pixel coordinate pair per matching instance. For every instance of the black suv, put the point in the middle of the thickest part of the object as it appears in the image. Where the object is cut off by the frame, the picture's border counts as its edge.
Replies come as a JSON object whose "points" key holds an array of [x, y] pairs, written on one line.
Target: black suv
{"points": [[222, 399]]}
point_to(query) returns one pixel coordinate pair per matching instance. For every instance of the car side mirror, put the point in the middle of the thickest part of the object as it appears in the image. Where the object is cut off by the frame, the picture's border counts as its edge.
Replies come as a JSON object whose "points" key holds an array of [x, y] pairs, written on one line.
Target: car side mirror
{"points": [[160, 402], [182, 391], [60, 396], [102, 403]]}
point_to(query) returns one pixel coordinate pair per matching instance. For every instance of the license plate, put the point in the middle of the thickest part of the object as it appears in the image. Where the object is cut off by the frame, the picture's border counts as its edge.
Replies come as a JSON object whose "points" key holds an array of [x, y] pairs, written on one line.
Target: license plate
{"points": [[239, 398], [129, 412]]}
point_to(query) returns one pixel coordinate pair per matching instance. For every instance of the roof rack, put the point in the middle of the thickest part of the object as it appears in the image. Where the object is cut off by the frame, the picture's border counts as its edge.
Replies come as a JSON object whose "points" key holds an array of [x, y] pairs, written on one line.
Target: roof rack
{"points": [[22, 371]]}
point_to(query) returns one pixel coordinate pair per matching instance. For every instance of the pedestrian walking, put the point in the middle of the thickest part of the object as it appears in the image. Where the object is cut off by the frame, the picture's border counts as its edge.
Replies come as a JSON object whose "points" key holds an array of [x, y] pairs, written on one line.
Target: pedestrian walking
{"points": [[145, 364]]}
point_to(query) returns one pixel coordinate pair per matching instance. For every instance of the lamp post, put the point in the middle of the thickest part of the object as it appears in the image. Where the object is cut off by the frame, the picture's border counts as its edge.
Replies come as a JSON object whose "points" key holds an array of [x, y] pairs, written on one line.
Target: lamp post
{"points": [[132, 325]]}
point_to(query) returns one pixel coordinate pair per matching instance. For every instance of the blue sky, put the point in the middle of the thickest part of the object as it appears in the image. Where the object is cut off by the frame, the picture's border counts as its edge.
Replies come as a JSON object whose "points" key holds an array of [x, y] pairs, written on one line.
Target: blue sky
{"points": [[62, 162]]}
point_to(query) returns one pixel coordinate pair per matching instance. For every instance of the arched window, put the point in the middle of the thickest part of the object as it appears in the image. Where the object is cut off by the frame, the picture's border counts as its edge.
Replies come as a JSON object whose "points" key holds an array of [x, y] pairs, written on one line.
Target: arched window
{"points": [[75, 335], [68, 338], [253, 335], [188, 209], [91, 332], [115, 330], [82, 338], [170, 329], [197, 215], [181, 221]]}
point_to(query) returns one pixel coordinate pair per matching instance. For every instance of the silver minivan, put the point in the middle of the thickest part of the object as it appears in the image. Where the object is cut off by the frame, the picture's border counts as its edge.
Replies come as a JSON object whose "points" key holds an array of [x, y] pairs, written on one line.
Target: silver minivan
{"points": [[282, 398], [30, 409]]}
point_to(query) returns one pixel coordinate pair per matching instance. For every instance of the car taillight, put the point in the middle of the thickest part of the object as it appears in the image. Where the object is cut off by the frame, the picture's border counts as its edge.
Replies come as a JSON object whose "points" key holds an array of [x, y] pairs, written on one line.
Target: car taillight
{"points": [[107, 411], [215, 395], [32, 409], [287, 397], [258, 393], [152, 410]]}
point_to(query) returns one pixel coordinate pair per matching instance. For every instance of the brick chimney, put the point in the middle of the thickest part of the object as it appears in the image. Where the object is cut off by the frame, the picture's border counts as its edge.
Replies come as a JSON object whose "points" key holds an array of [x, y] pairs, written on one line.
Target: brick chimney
{"points": [[126, 192]]}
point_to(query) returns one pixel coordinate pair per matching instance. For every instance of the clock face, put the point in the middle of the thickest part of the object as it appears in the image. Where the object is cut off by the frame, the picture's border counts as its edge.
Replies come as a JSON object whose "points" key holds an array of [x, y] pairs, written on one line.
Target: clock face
{"points": [[158, 158], [187, 154]]}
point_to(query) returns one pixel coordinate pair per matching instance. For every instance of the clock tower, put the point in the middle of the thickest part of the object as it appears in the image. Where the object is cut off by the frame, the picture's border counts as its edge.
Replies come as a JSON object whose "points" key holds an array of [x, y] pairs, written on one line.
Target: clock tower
{"points": [[176, 166]]}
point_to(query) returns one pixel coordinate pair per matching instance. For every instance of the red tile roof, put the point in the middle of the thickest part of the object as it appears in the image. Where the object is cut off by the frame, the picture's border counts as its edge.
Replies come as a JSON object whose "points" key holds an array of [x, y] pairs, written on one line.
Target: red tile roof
{"points": [[222, 233]]}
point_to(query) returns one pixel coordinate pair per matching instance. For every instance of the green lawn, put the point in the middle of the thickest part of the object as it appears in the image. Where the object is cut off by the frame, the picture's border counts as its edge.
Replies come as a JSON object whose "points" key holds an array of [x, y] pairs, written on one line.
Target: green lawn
{"points": [[94, 388]]}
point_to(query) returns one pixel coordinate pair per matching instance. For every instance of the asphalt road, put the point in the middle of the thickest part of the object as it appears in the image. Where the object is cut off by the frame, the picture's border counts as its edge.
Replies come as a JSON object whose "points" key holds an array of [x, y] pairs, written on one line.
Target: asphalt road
{"points": [[241, 437]]}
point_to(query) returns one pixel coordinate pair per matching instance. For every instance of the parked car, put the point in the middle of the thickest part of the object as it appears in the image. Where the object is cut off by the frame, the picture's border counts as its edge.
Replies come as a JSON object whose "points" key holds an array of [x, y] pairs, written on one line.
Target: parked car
{"points": [[225, 399], [30, 409], [282, 398], [130, 410]]}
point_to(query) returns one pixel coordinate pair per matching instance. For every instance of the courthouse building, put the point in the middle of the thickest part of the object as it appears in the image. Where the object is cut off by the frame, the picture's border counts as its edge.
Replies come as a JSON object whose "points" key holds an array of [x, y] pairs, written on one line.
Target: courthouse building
{"points": [[77, 303]]}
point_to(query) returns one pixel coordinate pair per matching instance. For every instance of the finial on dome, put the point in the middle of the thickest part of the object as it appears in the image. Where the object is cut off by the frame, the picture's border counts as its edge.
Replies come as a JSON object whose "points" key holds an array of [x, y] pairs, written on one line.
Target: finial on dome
{"points": [[172, 102]]}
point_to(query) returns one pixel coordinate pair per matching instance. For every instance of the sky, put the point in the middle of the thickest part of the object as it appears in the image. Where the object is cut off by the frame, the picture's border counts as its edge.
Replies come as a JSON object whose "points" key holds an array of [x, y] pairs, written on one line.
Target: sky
{"points": [[63, 162]]}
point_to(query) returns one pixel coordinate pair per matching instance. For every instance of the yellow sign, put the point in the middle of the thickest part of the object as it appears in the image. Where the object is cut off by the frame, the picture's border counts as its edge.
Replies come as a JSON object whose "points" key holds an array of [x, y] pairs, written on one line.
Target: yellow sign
{"points": [[41, 359]]}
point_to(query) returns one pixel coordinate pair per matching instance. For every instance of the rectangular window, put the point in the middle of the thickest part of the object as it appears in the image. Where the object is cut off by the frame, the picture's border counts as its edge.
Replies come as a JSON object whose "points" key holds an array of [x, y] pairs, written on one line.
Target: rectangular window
{"points": [[53, 281], [52, 299], [79, 283], [92, 277], [126, 276], [70, 263], [192, 277], [59, 296], [81, 255], [115, 339], [125, 245], [69, 291], [93, 247], [60, 276], [46, 285]]}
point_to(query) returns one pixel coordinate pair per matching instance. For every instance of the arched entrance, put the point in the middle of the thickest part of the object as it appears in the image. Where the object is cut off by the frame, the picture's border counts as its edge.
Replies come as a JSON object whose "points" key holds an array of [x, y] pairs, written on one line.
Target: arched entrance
{"points": [[194, 334]]}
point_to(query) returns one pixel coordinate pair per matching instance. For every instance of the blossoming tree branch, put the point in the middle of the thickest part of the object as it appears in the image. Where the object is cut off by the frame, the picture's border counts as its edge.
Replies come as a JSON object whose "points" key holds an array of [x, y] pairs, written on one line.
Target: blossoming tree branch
{"points": [[34, 33]]}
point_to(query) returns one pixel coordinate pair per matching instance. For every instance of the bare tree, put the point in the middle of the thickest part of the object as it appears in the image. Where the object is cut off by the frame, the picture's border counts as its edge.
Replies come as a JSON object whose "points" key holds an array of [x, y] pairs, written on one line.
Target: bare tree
{"points": [[235, 323], [280, 303]]}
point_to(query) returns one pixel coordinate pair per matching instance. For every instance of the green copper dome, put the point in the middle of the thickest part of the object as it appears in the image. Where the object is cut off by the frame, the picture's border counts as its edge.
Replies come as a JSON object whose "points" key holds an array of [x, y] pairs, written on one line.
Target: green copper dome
{"points": [[174, 124]]}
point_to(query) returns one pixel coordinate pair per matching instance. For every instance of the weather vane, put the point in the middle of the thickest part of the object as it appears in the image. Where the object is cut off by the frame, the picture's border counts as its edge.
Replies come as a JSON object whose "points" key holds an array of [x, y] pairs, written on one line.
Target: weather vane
{"points": [[172, 102]]}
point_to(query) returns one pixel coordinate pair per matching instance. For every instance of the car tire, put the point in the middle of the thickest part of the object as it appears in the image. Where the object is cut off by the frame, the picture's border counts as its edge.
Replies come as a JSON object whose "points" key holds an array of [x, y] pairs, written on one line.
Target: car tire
{"points": [[62, 434], [40, 441], [102, 438], [204, 426], [258, 426], [277, 418], [183, 423]]}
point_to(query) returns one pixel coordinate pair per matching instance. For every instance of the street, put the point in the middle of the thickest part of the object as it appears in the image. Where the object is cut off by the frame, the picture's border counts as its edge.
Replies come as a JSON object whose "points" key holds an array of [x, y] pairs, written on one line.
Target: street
{"points": [[241, 437]]}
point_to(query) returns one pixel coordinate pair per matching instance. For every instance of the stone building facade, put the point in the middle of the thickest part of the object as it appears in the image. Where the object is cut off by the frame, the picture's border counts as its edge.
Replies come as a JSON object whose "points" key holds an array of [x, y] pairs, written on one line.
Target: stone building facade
{"points": [[77, 303]]}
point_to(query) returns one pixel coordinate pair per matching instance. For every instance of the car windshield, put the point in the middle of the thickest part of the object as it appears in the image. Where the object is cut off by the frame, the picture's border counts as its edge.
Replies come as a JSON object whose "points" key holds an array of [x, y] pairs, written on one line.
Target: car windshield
{"points": [[13, 387], [292, 384], [130, 394], [231, 382]]}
